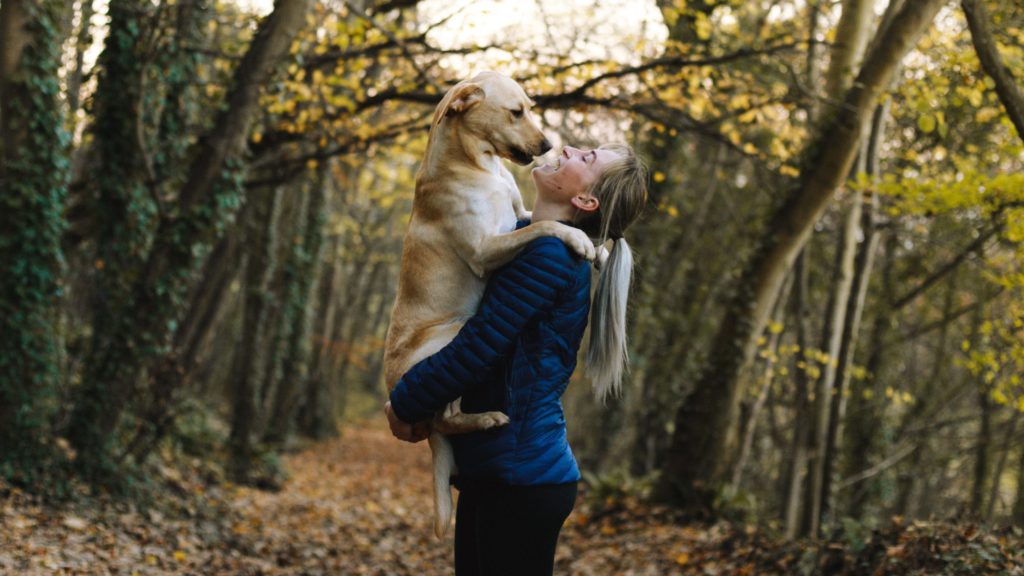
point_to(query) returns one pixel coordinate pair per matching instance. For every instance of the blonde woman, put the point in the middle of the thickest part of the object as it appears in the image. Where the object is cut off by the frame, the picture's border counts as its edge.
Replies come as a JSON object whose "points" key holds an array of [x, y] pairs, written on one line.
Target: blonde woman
{"points": [[517, 483]]}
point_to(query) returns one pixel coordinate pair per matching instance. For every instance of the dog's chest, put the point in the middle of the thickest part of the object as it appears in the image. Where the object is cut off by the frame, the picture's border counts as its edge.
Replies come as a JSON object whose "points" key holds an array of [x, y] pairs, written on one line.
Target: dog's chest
{"points": [[490, 206]]}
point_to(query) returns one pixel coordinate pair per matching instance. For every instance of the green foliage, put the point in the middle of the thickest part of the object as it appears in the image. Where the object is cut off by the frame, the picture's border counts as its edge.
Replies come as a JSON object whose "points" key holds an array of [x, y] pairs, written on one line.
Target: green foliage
{"points": [[33, 179], [855, 534], [611, 489], [198, 430]]}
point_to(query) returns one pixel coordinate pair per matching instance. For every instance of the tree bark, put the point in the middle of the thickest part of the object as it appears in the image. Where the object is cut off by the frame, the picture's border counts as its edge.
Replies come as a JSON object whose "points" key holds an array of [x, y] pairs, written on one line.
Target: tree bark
{"points": [[692, 468]]}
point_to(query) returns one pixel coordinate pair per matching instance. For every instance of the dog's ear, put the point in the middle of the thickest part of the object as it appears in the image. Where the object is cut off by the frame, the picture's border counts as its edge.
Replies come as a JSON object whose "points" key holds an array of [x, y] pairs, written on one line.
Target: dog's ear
{"points": [[467, 96]]}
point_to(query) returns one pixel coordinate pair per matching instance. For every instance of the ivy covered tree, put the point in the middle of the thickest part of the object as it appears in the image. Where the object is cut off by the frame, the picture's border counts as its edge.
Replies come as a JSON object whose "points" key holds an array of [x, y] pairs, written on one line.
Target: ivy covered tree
{"points": [[33, 174]]}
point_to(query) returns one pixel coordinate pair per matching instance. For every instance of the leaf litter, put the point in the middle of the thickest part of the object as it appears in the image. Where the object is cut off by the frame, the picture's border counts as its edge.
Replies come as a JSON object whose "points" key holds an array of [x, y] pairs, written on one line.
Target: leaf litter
{"points": [[361, 505]]}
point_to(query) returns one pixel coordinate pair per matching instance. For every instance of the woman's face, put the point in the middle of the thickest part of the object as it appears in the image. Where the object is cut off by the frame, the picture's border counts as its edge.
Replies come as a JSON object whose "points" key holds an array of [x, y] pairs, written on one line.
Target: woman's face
{"points": [[573, 174]]}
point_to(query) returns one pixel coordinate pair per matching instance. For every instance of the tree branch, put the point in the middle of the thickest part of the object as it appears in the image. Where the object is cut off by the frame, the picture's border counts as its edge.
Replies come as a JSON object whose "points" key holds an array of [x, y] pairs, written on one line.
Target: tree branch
{"points": [[992, 63]]}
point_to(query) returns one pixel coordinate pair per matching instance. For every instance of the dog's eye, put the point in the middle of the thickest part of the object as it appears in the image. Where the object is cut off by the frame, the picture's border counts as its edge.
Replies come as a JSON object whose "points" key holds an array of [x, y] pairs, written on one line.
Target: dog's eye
{"points": [[517, 113]]}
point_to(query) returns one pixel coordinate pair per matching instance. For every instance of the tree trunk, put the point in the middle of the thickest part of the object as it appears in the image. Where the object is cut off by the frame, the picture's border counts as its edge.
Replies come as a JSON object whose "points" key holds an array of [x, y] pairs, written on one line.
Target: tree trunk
{"points": [[259, 239], [1004, 453], [863, 268], [984, 442], [33, 174], [301, 271], [314, 418], [832, 334], [797, 461], [210, 194], [692, 467], [750, 425], [1018, 505], [865, 419], [981, 451], [124, 211], [851, 39]]}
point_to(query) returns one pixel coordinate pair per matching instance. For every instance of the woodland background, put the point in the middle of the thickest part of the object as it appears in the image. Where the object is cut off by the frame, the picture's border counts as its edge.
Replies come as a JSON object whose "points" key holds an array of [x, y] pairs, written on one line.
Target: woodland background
{"points": [[202, 206]]}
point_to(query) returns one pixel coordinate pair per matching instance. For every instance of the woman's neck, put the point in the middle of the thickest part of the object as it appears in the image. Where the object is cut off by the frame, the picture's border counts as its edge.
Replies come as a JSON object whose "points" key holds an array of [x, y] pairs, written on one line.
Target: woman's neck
{"points": [[553, 211]]}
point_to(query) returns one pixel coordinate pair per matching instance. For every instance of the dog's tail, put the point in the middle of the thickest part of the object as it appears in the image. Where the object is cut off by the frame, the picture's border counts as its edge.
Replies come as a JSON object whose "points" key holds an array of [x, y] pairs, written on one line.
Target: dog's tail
{"points": [[444, 465]]}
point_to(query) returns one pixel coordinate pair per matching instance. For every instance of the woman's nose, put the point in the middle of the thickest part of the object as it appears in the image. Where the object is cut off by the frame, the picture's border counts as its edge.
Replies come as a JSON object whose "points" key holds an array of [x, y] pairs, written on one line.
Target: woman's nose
{"points": [[569, 151]]}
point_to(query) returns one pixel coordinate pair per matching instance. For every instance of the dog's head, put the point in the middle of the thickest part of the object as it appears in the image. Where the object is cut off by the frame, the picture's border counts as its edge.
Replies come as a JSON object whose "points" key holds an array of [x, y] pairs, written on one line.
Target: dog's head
{"points": [[494, 110]]}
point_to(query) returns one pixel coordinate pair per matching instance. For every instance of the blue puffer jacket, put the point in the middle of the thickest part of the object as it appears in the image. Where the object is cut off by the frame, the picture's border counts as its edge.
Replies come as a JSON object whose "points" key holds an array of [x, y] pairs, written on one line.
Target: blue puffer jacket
{"points": [[515, 355]]}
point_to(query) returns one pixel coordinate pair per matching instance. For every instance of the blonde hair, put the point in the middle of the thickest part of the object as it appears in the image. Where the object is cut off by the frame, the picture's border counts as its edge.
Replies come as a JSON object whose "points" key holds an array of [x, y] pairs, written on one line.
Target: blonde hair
{"points": [[621, 192]]}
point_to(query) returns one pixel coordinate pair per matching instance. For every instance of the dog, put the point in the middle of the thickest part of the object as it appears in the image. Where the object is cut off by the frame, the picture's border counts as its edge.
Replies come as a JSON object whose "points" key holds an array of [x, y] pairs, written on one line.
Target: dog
{"points": [[464, 214]]}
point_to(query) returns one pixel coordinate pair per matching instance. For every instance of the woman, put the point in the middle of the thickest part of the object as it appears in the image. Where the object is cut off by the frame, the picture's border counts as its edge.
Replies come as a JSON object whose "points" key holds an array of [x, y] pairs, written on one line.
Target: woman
{"points": [[517, 483]]}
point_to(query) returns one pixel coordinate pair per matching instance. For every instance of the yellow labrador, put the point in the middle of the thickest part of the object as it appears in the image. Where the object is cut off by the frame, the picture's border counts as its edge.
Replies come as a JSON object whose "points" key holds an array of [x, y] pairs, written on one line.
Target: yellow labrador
{"points": [[462, 227]]}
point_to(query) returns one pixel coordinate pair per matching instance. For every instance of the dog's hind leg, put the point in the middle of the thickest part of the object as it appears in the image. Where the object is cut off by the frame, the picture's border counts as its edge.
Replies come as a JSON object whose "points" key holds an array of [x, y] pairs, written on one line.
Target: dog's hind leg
{"points": [[452, 420], [444, 466]]}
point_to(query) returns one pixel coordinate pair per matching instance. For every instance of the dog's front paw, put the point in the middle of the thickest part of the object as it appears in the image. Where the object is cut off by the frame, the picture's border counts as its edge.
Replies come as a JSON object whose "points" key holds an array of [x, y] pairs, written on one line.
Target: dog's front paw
{"points": [[579, 242], [602, 257], [492, 420]]}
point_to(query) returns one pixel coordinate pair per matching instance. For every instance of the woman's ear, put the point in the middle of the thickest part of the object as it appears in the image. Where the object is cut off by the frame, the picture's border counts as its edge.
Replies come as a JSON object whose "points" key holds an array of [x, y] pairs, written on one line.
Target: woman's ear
{"points": [[585, 202]]}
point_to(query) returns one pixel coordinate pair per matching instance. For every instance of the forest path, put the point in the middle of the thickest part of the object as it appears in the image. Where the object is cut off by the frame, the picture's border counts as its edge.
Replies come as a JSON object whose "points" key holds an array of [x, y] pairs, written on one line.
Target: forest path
{"points": [[358, 504], [361, 504]]}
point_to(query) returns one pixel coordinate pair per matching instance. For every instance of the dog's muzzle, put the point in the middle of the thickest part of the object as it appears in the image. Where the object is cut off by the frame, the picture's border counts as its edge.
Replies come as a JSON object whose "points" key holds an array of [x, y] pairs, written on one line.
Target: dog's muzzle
{"points": [[521, 156]]}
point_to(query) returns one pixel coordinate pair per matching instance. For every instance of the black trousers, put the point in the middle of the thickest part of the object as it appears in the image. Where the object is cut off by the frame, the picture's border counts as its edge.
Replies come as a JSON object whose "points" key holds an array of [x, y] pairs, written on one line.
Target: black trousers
{"points": [[509, 530]]}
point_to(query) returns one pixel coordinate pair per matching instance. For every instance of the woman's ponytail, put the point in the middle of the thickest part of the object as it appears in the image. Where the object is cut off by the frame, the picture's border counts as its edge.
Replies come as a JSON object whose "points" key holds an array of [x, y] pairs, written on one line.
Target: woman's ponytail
{"points": [[621, 192], [607, 356]]}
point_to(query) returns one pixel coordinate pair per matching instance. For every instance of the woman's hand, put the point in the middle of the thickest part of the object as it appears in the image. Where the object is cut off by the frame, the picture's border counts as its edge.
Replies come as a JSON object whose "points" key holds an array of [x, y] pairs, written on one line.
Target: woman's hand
{"points": [[404, 431]]}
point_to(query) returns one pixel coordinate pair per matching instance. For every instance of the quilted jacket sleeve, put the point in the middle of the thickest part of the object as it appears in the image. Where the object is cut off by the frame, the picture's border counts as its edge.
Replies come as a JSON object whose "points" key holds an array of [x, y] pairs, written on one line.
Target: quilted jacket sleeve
{"points": [[516, 294]]}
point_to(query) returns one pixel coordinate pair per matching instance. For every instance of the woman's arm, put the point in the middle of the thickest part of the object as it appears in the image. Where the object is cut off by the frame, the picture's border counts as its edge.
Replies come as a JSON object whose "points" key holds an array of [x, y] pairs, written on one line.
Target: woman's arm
{"points": [[516, 294]]}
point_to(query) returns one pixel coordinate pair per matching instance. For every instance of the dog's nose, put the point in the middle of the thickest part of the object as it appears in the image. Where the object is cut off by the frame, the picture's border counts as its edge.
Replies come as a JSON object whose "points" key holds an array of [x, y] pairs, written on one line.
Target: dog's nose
{"points": [[544, 147]]}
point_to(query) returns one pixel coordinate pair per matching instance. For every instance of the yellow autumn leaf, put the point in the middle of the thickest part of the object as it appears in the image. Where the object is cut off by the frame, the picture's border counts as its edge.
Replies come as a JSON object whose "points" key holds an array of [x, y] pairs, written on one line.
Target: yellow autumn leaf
{"points": [[985, 114], [926, 123], [739, 101], [703, 26], [659, 176], [682, 558]]}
